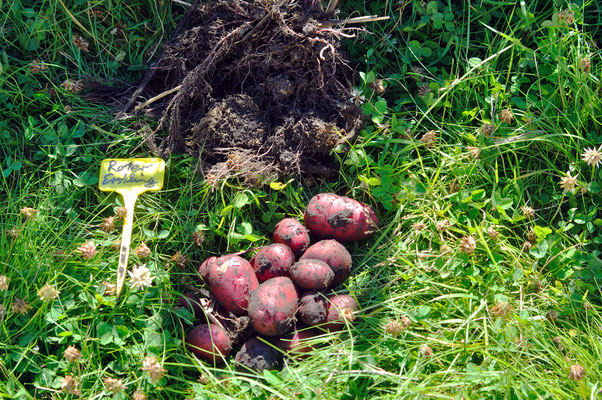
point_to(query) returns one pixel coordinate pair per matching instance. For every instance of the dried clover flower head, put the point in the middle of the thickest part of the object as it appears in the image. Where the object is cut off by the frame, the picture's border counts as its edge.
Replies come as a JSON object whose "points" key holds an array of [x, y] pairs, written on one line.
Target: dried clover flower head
{"points": [[394, 328], [501, 309], [28, 212], [405, 321], [474, 151], [418, 226], [116, 245], [72, 354], [203, 380], [140, 277], [531, 236], [585, 65], [154, 369], [527, 246], [442, 225], [80, 42], [139, 395], [378, 86], [108, 224], [20, 306], [552, 315], [180, 259], [347, 314], [198, 238], [143, 251], [528, 212], [444, 249], [4, 282], [37, 66], [493, 234], [488, 129], [48, 293], [69, 385], [110, 288], [429, 138], [72, 85], [454, 187], [506, 116], [88, 250], [468, 244], [592, 156], [566, 17], [568, 183], [114, 385], [577, 372], [426, 351], [121, 212], [424, 90], [13, 232]]}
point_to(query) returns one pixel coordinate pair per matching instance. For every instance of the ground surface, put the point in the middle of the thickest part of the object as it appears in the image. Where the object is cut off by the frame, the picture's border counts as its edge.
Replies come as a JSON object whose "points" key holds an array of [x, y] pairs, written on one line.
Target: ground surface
{"points": [[479, 151]]}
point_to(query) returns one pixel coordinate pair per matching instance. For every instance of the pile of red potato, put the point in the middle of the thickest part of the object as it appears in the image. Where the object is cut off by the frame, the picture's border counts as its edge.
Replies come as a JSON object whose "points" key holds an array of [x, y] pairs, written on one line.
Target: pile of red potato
{"points": [[284, 289]]}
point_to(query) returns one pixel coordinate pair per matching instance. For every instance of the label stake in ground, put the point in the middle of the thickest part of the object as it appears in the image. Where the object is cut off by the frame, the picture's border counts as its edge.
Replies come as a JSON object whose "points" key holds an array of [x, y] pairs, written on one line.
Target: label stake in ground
{"points": [[129, 177]]}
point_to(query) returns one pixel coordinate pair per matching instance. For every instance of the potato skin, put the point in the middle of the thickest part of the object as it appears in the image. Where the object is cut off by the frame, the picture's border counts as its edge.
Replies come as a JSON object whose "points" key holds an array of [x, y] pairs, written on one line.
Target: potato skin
{"points": [[293, 234], [273, 260], [258, 356], [296, 342], [334, 254], [341, 308], [310, 273], [210, 343], [313, 308], [231, 281], [329, 216], [273, 305], [205, 268]]}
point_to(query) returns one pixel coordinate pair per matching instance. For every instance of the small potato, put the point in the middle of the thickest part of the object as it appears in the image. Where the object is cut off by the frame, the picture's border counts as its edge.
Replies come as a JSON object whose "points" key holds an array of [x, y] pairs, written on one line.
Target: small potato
{"points": [[258, 356], [341, 309], [334, 254], [210, 343], [313, 308], [231, 281], [292, 233], [273, 305], [296, 342], [312, 274], [272, 261]]}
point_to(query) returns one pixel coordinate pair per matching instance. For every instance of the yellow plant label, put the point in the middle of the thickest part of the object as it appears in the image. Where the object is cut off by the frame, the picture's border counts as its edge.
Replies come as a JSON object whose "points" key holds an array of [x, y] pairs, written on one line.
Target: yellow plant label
{"points": [[131, 174]]}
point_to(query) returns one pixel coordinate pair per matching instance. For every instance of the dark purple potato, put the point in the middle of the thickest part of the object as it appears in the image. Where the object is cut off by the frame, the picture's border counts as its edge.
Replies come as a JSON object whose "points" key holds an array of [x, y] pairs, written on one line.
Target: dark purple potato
{"points": [[272, 261], [292, 233], [273, 305], [312, 274], [259, 356], [313, 308], [231, 281], [334, 254], [210, 343], [192, 303], [342, 308]]}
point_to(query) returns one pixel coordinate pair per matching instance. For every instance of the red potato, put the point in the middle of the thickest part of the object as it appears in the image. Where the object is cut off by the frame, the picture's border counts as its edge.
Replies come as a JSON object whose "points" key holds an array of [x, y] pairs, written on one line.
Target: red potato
{"points": [[292, 233], [273, 305], [210, 343], [313, 308], [296, 342], [258, 356], [205, 268], [341, 309], [329, 216], [312, 274], [231, 281], [334, 254], [272, 261]]}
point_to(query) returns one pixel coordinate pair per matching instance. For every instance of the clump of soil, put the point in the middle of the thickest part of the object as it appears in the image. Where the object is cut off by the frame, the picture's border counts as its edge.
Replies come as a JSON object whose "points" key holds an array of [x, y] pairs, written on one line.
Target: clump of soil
{"points": [[260, 89]]}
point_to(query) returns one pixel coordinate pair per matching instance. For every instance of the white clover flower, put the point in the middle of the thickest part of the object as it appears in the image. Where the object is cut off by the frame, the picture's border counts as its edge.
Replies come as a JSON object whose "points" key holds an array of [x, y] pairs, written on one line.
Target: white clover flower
{"points": [[592, 156], [568, 183], [140, 277], [48, 292]]}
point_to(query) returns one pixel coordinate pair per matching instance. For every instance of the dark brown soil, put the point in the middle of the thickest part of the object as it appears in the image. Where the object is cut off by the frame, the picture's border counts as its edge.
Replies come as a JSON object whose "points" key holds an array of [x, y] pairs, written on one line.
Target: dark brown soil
{"points": [[264, 91]]}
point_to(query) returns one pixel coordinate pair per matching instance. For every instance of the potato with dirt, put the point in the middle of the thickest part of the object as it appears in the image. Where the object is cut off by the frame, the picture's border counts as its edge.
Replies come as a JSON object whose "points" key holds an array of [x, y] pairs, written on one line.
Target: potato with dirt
{"points": [[340, 310], [258, 356], [273, 260], [273, 305], [312, 274], [334, 254], [210, 343], [313, 308], [205, 268], [232, 280], [329, 216], [292, 233]]}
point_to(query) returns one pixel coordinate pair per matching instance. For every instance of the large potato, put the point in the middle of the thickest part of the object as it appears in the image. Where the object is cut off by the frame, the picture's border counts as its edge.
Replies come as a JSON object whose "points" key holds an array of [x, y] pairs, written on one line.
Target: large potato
{"points": [[273, 305], [231, 281], [312, 274], [334, 254], [272, 261]]}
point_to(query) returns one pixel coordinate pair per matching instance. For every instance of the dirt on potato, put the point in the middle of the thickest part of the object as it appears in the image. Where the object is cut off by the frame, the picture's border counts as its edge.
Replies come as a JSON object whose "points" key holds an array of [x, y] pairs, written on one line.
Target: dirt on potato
{"points": [[257, 89]]}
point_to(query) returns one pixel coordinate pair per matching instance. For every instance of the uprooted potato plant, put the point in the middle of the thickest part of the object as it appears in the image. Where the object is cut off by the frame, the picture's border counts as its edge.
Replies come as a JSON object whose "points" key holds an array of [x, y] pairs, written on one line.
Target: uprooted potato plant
{"points": [[258, 89]]}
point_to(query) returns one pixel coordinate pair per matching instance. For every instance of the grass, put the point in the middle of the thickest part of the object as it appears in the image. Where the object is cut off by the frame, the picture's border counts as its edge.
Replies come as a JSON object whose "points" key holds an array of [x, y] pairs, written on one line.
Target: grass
{"points": [[511, 319]]}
